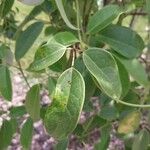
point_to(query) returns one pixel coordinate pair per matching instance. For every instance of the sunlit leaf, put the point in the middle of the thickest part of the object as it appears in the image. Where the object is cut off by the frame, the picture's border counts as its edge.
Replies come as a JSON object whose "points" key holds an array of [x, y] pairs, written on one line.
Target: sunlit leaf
{"points": [[103, 18], [62, 116], [103, 67]]}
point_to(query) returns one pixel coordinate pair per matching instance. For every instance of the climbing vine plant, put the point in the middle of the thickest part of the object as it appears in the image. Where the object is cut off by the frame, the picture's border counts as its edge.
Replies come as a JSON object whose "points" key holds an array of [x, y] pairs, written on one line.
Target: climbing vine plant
{"points": [[90, 51]]}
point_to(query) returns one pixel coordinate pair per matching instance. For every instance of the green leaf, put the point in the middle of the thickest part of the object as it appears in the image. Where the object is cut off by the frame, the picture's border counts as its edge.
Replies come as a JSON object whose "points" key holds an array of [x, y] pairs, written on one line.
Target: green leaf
{"points": [[141, 141], [51, 85], [17, 111], [109, 112], [32, 102], [6, 133], [130, 122], [52, 51], [123, 40], [103, 67], [148, 8], [62, 116], [92, 123], [61, 145], [105, 137], [124, 77], [66, 38], [103, 18], [63, 14], [6, 55], [26, 134], [5, 83], [60, 65], [27, 38], [89, 90], [136, 70], [5, 7]]}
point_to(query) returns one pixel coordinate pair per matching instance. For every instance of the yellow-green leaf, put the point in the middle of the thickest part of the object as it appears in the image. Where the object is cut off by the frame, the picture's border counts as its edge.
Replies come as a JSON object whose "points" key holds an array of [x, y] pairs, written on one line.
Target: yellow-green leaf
{"points": [[129, 123]]}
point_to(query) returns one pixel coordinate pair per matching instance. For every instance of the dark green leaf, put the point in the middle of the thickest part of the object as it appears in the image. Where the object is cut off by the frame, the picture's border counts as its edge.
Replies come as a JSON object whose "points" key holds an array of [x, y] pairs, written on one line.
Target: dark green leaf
{"points": [[32, 102], [27, 38], [62, 116], [26, 134], [136, 70], [124, 77], [17, 111], [6, 133], [109, 112], [61, 145], [123, 40], [103, 67], [103, 18], [5, 7], [104, 139], [5, 83], [141, 141]]}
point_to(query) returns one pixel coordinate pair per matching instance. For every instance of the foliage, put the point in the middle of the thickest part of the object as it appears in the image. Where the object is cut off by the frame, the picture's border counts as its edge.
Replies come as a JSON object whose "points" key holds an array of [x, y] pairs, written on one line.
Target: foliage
{"points": [[93, 54]]}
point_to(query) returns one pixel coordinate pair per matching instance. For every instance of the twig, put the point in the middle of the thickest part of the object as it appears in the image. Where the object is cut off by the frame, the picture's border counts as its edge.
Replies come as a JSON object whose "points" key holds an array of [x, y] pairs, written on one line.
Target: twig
{"points": [[21, 70]]}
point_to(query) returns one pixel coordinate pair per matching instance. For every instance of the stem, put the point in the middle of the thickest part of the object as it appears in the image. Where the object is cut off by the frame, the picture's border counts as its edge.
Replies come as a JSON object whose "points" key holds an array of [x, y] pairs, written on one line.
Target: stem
{"points": [[78, 20], [21, 70], [73, 58], [133, 105]]}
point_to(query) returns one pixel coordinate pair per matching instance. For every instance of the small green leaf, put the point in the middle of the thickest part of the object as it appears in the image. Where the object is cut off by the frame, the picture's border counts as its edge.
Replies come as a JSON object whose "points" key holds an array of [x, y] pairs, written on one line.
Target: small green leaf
{"points": [[5, 83], [103, 67], [66, 38], [26, 134], [123, 40], [27, 38], [6, 55], [141, 141], [6, 133], [32, 102], [47, 55], [62, 116], [129, 123], [103, 18], [63, 14]]}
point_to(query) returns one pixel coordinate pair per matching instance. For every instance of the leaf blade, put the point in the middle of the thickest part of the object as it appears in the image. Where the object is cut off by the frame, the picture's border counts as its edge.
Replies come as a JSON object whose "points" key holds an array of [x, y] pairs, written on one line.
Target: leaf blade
{"points": [[26, 39], [102, 18], [32, 103], [67, 104], [5, 83], [103, 67], [123, 40]]}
